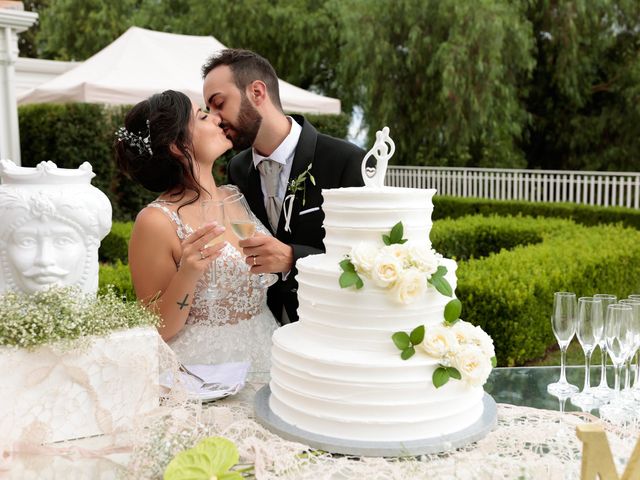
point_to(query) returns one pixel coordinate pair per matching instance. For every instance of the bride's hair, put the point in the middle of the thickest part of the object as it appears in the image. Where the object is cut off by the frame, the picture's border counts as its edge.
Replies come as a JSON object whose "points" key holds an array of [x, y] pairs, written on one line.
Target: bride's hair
{"points": [[143, 146]]}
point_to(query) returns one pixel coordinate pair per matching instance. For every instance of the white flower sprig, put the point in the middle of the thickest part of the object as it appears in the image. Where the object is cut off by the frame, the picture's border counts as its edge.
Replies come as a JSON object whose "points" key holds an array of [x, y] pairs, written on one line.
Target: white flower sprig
{"points": [[405, 269], [65, 314]]}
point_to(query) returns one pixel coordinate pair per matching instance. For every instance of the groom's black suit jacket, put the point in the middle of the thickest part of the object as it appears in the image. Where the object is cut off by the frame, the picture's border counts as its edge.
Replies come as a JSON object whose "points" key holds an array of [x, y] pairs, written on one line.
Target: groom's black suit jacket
{"points": [[336, 163]]}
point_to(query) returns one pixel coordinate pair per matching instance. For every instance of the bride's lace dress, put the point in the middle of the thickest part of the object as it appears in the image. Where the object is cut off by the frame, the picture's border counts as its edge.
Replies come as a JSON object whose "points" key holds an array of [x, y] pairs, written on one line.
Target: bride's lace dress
{"points": [[237, 326]]}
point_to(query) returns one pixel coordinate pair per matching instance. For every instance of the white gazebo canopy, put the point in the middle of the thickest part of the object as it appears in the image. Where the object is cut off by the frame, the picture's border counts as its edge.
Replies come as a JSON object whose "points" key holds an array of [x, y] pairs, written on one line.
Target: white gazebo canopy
{"points": [[143, 62]]}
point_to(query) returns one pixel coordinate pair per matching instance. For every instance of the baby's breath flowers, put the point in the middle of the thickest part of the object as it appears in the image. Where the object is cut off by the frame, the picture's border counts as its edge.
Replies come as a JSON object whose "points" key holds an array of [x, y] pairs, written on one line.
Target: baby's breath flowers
{"points": [[59, 315]]}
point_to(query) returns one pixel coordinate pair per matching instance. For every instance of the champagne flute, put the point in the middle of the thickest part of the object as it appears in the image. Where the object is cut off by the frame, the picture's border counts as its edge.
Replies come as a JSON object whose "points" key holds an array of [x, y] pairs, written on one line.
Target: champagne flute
{"points": [[563, 323], [619, 337], [213, 211], [602, 391], [635, 330], [589, 331], [244, 224]]}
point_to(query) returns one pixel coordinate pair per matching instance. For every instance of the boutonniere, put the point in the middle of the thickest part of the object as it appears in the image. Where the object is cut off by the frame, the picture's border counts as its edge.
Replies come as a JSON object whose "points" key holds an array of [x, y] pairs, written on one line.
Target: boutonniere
{"points": [[298, 184]]}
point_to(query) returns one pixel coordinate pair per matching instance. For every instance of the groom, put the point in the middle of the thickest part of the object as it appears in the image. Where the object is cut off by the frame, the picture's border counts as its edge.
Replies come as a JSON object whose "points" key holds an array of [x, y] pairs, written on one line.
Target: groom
{"points": [[242, 87]]}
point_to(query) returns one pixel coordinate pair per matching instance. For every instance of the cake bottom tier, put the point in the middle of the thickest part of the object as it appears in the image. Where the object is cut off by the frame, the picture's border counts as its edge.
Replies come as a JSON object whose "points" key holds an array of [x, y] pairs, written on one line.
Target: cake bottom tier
{"points": [[364, 395]]}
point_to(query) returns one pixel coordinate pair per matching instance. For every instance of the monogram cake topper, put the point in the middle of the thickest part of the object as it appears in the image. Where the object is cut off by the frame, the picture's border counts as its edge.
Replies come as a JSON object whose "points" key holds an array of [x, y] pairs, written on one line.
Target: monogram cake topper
{"points": [[382, 150]]}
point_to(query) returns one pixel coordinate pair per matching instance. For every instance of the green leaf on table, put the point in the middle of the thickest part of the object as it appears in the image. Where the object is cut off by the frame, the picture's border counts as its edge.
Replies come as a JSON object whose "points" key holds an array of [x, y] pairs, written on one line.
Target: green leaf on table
{"points": [[494, 362], [347, 266], [407, 353], [440, 376], [210, 458], [440, 283], [452, 311], [454, 373], [401, 340], [417, 335]]}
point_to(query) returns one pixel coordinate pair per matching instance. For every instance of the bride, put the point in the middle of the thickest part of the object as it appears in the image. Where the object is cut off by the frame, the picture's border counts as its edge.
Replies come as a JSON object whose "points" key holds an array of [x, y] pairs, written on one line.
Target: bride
{"points": [[169, 145]]}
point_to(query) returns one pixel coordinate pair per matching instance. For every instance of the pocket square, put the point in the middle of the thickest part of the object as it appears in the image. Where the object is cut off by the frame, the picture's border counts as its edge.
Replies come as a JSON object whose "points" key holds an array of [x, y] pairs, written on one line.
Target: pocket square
{"points": [[308, 210]]}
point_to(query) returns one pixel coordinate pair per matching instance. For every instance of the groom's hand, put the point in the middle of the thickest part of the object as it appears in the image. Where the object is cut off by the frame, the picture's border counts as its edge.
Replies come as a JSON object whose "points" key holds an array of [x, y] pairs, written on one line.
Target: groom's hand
{"points": [[267, 254]]}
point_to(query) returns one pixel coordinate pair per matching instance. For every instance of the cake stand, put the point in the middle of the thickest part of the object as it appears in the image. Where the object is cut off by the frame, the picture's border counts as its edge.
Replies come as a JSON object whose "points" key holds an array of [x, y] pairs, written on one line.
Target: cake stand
{"points": [[443, 443]]}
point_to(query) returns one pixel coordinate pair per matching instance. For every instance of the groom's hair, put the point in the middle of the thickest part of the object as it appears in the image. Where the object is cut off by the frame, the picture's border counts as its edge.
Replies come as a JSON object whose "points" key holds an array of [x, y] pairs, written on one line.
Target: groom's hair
{"points": [[246, 67]]}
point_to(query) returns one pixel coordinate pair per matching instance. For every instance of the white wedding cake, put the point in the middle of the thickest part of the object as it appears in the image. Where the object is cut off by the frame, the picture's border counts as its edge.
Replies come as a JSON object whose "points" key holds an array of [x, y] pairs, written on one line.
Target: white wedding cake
{"points": [[337, 372]]}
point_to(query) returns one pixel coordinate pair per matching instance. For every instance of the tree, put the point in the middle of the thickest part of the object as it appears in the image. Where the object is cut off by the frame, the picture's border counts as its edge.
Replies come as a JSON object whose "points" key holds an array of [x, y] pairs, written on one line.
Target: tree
{"points": [[444, 75], [76, 29], [297, 36], [584, 95]]}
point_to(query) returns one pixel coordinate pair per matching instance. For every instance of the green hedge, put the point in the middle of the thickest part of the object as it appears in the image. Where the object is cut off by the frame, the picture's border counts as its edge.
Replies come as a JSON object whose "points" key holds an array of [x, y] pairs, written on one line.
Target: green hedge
{"points": [[115, 246], [510, 294], [118, 275], [72, 133], [454, 207], [477, 236]]}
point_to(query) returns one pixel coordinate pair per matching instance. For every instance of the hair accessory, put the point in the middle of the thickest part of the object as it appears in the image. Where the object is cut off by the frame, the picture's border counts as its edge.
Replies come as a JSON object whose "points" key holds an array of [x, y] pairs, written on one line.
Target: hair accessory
{"points": [[136, 140]]}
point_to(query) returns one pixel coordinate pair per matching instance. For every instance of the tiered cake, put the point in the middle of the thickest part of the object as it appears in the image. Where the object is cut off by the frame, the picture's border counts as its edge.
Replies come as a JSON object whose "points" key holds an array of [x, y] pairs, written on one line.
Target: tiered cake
{"points": [[336, 372]]}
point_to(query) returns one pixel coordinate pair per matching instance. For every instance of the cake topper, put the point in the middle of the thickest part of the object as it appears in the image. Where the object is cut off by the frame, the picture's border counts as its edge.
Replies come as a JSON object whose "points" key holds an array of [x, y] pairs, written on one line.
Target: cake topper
{"points": [[383, 149]]}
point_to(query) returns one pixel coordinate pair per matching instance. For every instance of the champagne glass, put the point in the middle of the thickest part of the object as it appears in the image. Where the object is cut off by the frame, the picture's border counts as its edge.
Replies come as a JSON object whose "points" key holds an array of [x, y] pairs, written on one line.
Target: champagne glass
{"points": [[563, 323], [635, 330], [245, 224], [602, 391], [619, 337], [213, 211], [589, 331]]}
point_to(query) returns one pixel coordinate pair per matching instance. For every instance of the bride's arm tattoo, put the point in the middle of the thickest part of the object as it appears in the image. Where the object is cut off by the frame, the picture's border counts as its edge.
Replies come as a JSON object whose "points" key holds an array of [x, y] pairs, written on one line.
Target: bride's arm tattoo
{"points": [[183, 303]]}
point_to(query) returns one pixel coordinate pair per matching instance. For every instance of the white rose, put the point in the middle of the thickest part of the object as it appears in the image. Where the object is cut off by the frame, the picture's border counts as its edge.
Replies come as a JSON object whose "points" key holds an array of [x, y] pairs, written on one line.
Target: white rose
{"points": [[410, 286], [473, 365], [425, 258], [439, 342], [398, 250], [363, 257], [464, 332], [467, 333], [386, 270]]}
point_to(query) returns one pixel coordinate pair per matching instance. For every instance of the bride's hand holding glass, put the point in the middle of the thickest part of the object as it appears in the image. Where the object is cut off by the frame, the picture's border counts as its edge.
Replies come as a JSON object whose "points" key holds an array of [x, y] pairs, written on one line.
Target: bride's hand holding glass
{"points": [[197, 255]]}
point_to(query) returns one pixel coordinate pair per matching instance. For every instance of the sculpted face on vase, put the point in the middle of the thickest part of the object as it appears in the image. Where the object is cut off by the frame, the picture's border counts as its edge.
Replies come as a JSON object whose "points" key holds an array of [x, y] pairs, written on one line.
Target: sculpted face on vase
{"points": [[52, 223], [45, 252]]}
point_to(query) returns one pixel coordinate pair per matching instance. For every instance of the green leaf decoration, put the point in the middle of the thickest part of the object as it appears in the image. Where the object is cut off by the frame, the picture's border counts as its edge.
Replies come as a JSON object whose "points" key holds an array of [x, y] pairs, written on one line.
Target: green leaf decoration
{"points": [[407, 353], [401, 340], [440, 376], [349, 276], [452, 311], [440, 283], [348, 279], [313, 180], [210, 458], [386, 239], [417, 335], [347, 266], [494, 362], [454, 373], [396, 234]]}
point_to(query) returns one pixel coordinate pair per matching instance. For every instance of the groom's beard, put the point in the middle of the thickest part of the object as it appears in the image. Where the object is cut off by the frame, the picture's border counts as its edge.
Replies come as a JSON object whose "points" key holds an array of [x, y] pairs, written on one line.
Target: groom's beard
{"points": [[246, 127]]}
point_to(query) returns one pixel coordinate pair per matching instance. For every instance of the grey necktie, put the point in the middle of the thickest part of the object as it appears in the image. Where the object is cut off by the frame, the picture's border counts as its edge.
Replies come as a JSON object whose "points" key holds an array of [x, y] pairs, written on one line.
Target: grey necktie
{"points": [[270, 172]]}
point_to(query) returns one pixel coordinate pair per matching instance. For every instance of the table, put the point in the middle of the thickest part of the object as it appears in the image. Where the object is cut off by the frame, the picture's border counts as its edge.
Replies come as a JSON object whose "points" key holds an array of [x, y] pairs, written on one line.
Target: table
{"points": [[527, 386], [528, 443]]}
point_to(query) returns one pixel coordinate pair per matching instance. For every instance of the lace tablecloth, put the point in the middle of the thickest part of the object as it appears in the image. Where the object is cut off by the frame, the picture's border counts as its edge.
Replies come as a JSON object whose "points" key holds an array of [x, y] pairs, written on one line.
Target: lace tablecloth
{"points": [[528, 443]]}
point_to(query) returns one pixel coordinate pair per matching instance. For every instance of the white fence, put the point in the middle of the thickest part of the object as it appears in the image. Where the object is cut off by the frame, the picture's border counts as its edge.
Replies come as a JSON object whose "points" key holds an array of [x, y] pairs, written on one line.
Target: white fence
{"points": [[591, 188]]}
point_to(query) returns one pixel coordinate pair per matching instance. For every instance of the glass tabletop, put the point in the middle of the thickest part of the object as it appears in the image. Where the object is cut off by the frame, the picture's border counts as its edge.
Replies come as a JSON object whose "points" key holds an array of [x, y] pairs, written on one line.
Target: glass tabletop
{"points": [[527, 386]]}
